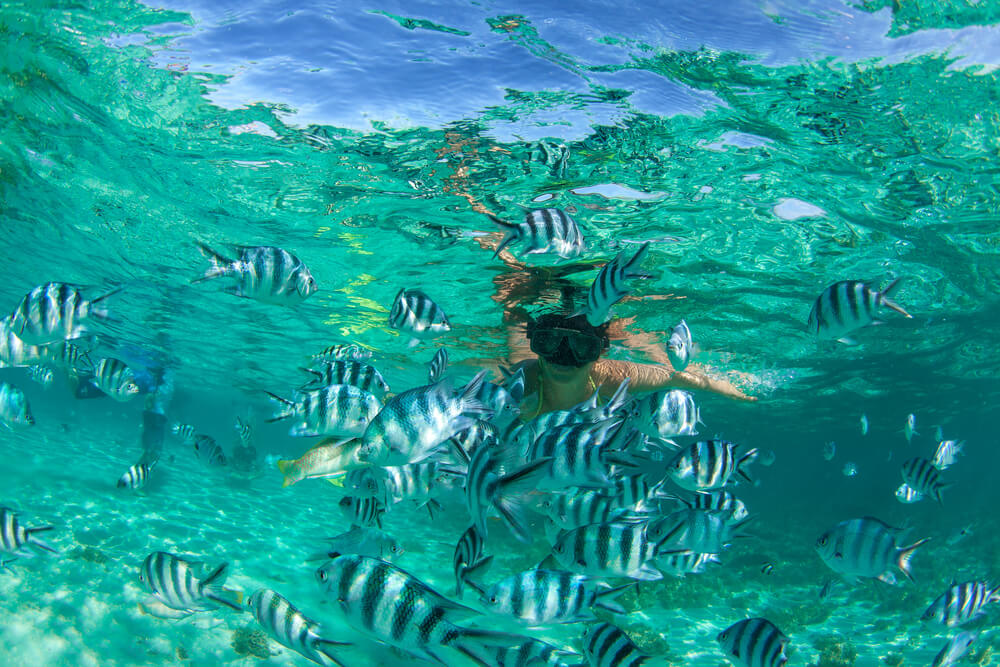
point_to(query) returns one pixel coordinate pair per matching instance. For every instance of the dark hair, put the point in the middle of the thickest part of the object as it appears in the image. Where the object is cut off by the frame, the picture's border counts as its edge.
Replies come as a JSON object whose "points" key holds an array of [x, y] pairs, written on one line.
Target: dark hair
{"points": [[574, 322]]}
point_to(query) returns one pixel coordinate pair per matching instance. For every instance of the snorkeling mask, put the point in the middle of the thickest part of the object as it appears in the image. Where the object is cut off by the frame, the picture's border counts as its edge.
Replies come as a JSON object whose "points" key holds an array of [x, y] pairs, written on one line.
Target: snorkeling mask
{"points": [[565, 346]]}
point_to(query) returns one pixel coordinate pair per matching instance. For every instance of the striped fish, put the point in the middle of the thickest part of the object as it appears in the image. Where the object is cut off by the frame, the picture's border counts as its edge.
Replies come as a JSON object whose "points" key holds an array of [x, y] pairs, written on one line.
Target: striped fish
{"points": [[390, 605], [701, 531], [336, 409], [136, 476], [362, 511], [719, 500], [504, 404], [464, 443], [907, 495], [615, 549], [184, 431], [542, 596], [264, 273], [961, 603], [680, 347], [54, 312], [355, 373], [923, 477], [532, 653], [582, 454], [865, 548], [175, 584], [14, 407], [609, 287], [849, 305], [416, 423], [415, 313], [437, 366], [754, 642], [708, 464], [67, 355], [955, 649], [14, 537], [666, 413], [364, 541], [470, 559], [684, 562], [291, 628], [632, 490], [43, 375], [488, 485], [343, 352], [544, 230], [115, 379], [572, 510], [244, 430], [947, 453], [419, 482], [605, 645], [208, 451]]}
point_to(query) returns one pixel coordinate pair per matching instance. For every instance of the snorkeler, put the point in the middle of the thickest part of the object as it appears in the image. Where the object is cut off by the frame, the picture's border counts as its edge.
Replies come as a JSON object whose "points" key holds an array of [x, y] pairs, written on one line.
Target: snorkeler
{"points": [[569, 368]]}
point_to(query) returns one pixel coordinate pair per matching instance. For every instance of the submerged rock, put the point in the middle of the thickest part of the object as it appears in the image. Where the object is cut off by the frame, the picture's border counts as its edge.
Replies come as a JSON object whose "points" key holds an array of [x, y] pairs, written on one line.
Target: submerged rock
{"points": [[249, 640]]}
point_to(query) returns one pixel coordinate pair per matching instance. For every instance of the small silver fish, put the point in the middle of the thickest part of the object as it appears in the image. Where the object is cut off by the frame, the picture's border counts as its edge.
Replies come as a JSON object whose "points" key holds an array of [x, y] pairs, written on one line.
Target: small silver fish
{"points": [[947, 453], [680, 348], [364, 541], [864, 424], [14, 408], [910, 429]]}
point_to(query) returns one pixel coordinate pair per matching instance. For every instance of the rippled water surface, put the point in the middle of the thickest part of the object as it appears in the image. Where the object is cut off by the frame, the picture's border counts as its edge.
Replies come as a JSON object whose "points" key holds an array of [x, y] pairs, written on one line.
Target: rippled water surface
{"points": [[766, 149]]}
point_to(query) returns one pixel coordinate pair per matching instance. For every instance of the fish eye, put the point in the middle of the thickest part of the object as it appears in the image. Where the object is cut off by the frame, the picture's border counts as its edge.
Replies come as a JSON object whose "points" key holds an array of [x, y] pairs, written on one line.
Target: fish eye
{"points": [[321, 575], [838, 555], [493, 599], [821, 541], [724, 635]]}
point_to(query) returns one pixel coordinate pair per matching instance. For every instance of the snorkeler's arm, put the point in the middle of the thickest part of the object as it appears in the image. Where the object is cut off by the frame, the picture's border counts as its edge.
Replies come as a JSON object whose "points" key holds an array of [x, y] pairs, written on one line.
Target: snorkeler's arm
{"points": [[650, 377]]}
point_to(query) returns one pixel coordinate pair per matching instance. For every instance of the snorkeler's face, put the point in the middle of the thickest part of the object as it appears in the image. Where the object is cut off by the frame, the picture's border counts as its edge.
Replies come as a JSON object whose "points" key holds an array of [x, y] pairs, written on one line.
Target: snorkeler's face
{"points": [[566, 347]]}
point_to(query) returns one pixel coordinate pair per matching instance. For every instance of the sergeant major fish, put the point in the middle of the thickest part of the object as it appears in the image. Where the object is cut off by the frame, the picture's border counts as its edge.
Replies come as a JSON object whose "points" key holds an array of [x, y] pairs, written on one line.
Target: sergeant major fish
{"points": [[754, 642], [947, 453], [336, 409], [921, 475], [417, 422], [470, 559], [415, 313], [43, 375], [115, 379], [545, 230], [486, 487], [666, 414], [355, 373], [847, 306], [606, 645], [953, 651], [392, 606], [609, 287], [136, 476], [14, 537], [865, 547], [291, 628], [208, 450], [264, 273], [961, 603], [178, 590], [54, 312], [541, 596], [437, 365], [907, 494], [708, 464], [616, 549]]}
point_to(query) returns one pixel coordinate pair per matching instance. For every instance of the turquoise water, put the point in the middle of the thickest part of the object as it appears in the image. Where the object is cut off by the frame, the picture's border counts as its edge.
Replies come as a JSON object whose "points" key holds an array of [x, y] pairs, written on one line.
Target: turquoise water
{"points": [[766, 149]]}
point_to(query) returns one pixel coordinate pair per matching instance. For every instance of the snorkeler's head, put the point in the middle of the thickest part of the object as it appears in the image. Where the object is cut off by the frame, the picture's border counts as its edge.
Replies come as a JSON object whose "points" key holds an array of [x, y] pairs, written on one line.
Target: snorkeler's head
{"points": [[567, 341]]}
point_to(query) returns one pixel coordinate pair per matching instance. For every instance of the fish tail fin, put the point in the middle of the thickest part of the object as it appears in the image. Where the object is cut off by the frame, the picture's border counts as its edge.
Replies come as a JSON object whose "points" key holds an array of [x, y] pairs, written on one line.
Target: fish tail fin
{"points": [[325, 647], [746, 459], [472, 641], [37, 542], [618, 399], [607, 598], [290, 472], [219, 263], [476, 570], [937, 492], [509, 499], [99, 312], [631, 268], [212, 586], [905, 554], [288, 411], [513, 233], [885, 300]]}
